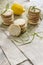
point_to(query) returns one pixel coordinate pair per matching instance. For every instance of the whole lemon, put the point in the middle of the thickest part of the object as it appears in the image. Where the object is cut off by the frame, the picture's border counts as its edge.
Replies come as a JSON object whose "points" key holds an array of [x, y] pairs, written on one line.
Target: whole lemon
{"points": [[18, 9]]}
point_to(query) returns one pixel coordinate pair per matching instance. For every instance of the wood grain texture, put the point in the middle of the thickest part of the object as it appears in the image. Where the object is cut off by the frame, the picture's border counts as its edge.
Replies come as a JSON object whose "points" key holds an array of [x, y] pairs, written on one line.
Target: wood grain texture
{"points": [[18, 54]]}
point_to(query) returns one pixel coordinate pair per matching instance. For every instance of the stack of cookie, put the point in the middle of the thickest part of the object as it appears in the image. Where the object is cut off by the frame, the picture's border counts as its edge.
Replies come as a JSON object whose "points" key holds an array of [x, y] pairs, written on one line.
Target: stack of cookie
{"points": [[22, 23], [34, 15], [8, 17], [18, 27]]}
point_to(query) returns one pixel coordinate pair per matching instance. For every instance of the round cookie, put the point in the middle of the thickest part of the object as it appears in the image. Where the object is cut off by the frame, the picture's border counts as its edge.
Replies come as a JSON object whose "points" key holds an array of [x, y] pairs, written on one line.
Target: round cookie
{"points": [[14, 30]]}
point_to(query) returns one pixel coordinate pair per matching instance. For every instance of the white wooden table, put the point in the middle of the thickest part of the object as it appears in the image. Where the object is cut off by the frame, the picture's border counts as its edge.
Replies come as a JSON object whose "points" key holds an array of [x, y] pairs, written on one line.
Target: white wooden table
{"points": [[13, 53]]}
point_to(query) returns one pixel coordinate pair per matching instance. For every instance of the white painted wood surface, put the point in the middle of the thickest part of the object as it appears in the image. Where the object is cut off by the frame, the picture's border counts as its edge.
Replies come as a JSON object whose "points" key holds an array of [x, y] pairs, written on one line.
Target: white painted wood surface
{"points": [[20, 54]]}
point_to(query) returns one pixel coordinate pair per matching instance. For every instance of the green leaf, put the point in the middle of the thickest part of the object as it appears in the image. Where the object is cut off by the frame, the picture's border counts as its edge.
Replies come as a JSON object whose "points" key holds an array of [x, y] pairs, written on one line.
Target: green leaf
{"points": [[7, 6], [3, 12]]}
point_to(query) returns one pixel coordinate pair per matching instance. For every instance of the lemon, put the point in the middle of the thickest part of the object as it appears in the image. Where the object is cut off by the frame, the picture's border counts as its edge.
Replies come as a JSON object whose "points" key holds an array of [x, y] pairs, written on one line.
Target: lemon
{"points": [[18, 9]]}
